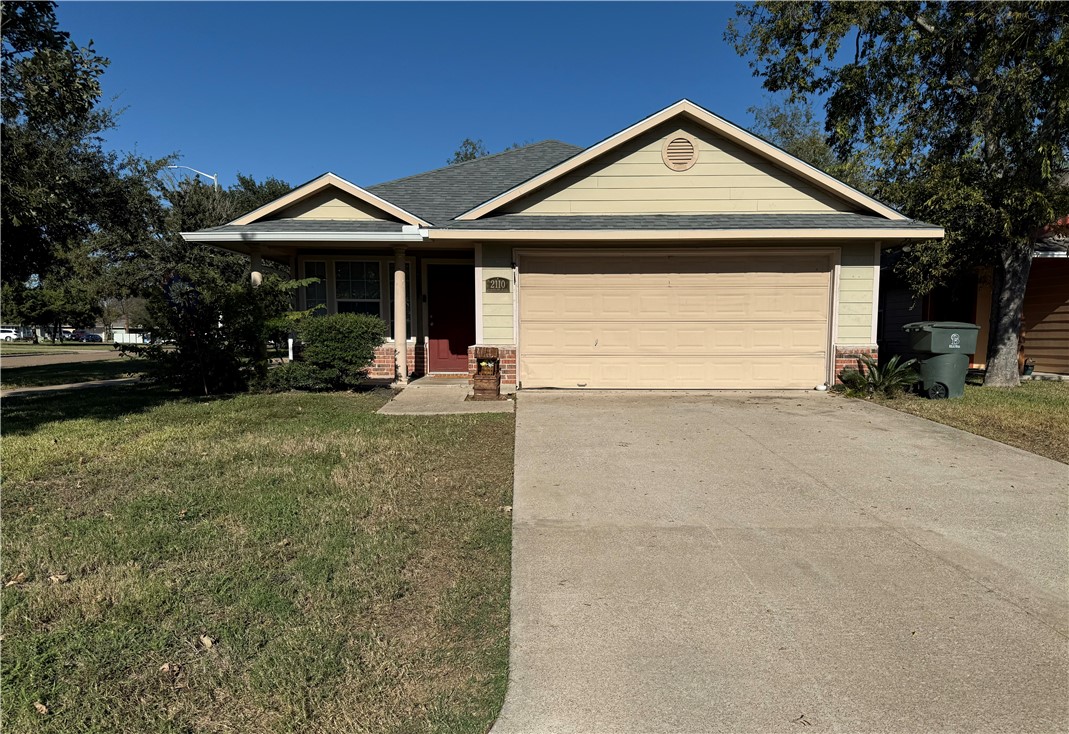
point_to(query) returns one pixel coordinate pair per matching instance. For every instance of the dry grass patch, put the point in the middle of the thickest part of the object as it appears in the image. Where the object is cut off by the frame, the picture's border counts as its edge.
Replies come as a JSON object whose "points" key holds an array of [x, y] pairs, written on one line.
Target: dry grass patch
{"points": [[1033, 417], [349, 571]]}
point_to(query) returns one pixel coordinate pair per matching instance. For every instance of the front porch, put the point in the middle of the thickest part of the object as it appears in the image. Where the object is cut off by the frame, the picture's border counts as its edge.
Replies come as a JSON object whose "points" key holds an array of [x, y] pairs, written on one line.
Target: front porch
{"points": [[427, 297]]}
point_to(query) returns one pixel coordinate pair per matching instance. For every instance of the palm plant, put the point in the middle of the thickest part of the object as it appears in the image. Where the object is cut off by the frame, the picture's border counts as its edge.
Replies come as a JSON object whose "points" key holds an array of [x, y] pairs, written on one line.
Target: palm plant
{"points": [[870, 378]]}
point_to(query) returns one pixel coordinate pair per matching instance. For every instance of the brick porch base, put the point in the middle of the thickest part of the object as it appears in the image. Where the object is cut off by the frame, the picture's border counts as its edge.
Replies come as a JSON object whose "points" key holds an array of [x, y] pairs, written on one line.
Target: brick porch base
{"points": [[382, 367], [846, 357]]}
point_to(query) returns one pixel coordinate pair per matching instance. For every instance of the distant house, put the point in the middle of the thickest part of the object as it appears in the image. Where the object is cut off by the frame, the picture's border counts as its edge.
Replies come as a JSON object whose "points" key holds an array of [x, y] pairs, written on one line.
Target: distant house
{"points": [[1044, 336], [680, 252]]}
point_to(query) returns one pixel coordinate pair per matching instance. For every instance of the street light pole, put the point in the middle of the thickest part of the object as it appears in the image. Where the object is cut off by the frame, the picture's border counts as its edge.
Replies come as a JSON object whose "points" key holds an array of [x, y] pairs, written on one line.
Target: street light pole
{"points": [[213, 177]]}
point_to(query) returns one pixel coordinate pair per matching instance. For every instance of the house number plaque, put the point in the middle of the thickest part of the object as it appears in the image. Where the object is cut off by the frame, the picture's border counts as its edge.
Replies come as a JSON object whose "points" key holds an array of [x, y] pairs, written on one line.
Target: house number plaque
{"points": [[497, 285]]}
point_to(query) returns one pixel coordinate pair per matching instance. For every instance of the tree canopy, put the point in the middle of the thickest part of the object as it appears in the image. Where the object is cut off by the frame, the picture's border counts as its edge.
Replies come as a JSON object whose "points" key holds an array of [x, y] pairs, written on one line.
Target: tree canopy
{"points": [[59, 183], [795, 128], [468, 150], [963, 108]]}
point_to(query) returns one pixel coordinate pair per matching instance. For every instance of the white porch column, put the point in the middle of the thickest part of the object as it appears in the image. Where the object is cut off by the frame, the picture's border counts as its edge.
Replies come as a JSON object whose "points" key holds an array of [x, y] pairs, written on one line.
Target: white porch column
{"points": [[256, 262], [400, 336]]}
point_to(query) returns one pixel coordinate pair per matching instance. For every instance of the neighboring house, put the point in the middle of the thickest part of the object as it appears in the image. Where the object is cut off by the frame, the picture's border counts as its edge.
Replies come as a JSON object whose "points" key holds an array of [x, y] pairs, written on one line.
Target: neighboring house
{"points": [[1044, 336], [681, 252]]}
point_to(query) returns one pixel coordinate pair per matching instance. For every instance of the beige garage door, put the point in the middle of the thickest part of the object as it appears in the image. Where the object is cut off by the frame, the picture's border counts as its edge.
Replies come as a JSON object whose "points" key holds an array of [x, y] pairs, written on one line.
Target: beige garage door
{"points": [[755, 319]]}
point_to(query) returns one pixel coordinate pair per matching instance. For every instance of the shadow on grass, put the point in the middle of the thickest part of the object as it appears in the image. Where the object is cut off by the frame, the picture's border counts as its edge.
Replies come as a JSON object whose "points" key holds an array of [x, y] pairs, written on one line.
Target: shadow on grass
{"points": [[70, 372], [26, 413]]}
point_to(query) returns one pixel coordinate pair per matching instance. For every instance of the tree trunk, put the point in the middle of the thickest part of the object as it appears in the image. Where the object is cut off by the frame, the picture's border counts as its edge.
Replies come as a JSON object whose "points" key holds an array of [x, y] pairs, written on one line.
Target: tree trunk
{"points": [[1007, 305]]}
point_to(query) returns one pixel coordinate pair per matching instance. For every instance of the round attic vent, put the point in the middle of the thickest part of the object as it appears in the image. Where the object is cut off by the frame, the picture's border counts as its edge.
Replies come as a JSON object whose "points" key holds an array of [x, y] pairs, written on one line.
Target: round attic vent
{"points": [[680, 152]]}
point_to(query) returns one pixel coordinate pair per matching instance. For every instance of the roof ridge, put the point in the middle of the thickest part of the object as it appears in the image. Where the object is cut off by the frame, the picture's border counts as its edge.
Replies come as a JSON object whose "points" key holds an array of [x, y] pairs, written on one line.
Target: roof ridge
{"points": [[473, 160]]}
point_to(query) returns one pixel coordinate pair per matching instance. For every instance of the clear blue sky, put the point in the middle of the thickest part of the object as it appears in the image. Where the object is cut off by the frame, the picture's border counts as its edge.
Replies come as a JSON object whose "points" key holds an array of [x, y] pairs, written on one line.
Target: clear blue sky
{"points": [[376, 91]]}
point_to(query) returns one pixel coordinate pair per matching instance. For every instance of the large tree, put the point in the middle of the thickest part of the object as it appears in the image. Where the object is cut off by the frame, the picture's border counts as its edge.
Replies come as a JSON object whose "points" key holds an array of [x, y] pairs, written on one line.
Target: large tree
{"points": [[60, 185], [964, 107]]}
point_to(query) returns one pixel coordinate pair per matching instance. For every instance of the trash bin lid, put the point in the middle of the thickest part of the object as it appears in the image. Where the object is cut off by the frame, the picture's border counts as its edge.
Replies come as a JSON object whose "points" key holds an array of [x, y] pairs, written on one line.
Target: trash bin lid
{"points": [[929, 325]]}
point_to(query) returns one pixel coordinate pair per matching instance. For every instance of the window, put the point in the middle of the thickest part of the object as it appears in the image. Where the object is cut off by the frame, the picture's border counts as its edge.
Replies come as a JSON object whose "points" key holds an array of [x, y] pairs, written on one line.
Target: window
{"points": [[316, 293], [358, 288]]}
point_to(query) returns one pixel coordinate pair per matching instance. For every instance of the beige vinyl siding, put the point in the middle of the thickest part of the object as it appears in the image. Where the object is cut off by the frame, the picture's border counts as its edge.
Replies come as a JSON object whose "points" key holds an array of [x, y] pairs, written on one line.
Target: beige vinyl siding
{"points": [[334, 204], [634, 180], [856, 273], [498, 307]]}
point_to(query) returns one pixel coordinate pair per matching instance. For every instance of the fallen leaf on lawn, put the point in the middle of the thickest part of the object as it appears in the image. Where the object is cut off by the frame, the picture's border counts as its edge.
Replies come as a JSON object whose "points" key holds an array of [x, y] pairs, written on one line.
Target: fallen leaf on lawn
{"points": [[58, 578], [17, 579], [170, 668], [206, 641], [284, 542], [506, 508], [41, 708]]}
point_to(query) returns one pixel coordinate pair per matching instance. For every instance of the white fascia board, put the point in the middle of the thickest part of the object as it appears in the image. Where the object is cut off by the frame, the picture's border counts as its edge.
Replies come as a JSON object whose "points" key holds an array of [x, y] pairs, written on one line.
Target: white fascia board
{"points": [[209, 237], [783, 235]]}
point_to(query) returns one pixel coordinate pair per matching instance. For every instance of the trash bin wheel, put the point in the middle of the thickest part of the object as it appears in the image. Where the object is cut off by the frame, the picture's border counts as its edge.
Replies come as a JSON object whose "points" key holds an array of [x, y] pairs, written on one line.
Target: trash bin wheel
{"points": [[938, 391]]}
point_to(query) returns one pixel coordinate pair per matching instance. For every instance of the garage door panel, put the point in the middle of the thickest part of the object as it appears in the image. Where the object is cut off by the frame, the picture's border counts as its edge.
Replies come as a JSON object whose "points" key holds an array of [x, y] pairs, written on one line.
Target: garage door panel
{"points": [[647, 304], [770, 372], [707, 320], [569, 338]]}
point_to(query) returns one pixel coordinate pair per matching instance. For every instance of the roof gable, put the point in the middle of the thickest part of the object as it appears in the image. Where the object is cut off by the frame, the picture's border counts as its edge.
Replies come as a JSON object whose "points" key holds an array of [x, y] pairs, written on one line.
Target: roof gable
{"points": [[331, 194], [333, 204], [633, 178], [816, 185]]}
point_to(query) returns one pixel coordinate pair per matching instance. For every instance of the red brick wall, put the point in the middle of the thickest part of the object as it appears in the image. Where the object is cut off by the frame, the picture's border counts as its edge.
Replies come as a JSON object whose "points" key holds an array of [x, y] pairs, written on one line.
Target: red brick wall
{"points": [[382, 367], [846, 357], [507, 354]]}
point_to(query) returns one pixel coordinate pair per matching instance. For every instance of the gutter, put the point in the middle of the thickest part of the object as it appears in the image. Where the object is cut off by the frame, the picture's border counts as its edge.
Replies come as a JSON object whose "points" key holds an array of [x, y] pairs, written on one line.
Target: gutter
{"points": [[408, 233], [783, 235]]}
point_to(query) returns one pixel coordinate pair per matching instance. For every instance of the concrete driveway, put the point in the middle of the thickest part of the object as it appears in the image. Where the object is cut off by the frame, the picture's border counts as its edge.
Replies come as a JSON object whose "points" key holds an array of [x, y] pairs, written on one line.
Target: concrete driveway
{"points": [[755, 562]]}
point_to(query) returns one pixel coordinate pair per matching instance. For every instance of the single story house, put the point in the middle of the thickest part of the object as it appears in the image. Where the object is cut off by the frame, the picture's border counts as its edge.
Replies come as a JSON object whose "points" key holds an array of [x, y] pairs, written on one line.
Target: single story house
{"points": [[680, 252]]}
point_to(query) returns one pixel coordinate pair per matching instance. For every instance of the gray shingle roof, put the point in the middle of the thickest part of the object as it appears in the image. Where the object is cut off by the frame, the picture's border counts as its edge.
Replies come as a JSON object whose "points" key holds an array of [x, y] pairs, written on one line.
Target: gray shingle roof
{"points": [[444, 193], [769, 220]]}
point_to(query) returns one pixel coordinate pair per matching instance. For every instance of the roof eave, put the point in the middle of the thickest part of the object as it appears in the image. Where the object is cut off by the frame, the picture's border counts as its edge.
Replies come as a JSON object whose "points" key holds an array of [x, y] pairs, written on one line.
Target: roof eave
{"points": [[649, 235], [209, 237]]}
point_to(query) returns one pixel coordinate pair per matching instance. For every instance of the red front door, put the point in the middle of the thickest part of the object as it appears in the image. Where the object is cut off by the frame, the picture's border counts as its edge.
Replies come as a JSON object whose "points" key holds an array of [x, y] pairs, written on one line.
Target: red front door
{"points": [[451, 312]]}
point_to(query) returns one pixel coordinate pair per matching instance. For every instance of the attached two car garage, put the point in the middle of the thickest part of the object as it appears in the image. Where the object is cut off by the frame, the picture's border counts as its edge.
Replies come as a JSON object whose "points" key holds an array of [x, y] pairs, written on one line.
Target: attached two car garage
{"points": [[729, 319]]}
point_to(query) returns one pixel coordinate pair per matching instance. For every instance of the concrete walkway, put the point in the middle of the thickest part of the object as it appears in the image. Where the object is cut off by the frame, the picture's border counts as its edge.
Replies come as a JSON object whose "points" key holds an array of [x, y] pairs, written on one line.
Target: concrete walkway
{"points": [[739, 562], [440, 396]]}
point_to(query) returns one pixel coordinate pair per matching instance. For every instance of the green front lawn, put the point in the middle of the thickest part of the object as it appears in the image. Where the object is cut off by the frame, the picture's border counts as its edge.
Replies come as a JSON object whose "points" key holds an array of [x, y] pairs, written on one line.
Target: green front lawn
{"points": [[263, 563], [69, 372], [1034, 416]]}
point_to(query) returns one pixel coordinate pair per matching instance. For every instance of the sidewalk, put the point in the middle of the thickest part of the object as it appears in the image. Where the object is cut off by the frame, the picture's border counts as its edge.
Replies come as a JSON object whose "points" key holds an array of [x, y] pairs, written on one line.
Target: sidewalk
{"points": [[437, 396]]}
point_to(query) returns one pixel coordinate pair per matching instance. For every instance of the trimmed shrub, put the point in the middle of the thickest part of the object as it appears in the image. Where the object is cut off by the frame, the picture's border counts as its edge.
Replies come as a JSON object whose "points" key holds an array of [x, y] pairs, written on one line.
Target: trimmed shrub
{"points": [[293, 376], [340, 347]]}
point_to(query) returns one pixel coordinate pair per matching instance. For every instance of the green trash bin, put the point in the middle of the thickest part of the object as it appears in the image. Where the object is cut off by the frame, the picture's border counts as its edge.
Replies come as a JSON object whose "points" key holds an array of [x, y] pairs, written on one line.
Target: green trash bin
{"points": [[943, 349]]}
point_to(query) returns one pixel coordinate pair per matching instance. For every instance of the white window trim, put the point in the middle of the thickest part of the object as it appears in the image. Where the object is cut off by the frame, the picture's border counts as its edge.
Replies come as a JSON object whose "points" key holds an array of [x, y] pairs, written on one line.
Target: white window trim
{"points": [[383, 295], [385, 290]]}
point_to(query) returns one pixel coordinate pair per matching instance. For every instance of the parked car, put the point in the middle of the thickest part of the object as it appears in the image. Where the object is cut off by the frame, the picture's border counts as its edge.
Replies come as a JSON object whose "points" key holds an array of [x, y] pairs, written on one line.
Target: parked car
{"points": [[91, 337], [9, 335]]}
